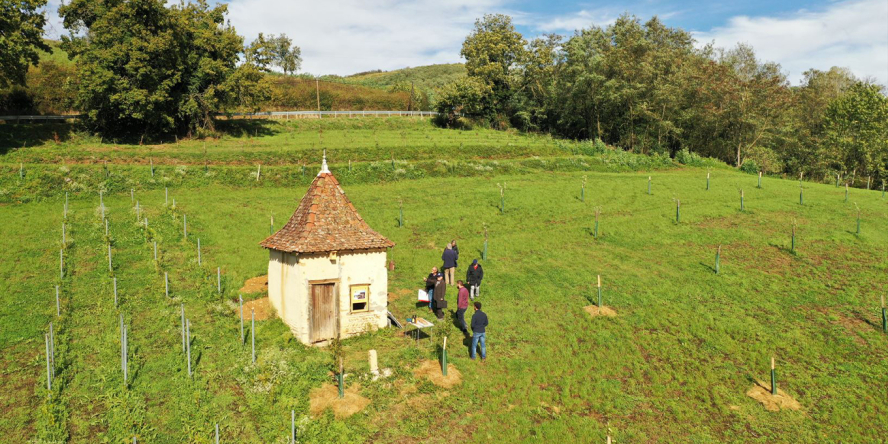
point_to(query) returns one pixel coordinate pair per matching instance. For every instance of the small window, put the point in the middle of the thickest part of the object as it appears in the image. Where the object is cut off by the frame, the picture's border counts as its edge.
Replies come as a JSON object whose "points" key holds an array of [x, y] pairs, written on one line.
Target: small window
{"points": [[360, 298]]}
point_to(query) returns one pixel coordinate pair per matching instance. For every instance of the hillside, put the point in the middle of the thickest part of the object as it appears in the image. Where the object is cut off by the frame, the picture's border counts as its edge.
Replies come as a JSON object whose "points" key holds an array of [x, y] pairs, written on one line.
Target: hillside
{"points": [[690, 338], [426, 78]]}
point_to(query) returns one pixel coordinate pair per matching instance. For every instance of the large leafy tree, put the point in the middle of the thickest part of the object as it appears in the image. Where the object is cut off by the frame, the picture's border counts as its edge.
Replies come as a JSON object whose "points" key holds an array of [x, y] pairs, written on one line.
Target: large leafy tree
{"points": [[492, 51], [21, 36], [856, 130], [151, 70]]}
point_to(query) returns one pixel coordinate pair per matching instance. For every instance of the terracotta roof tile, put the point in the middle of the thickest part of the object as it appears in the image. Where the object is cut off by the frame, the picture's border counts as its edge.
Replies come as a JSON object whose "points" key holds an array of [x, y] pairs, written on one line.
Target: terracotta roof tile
{"points": [[325, 221]]}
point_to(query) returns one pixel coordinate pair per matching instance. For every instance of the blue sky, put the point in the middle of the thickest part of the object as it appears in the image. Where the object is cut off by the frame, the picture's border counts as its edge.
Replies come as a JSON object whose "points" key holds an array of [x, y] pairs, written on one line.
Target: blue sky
{"points": [[348, 36]]}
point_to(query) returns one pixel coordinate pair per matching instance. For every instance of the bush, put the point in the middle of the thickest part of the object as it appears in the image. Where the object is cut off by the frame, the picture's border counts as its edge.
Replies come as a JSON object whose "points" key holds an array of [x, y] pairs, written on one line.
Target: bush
{"points": [[750, 167], [685, 157]]}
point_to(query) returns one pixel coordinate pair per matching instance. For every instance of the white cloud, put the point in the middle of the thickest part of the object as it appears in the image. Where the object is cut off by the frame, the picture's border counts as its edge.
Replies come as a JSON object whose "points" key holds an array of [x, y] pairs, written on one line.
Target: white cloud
{"points": [[579, 20], [348, 36], [851, 34]]}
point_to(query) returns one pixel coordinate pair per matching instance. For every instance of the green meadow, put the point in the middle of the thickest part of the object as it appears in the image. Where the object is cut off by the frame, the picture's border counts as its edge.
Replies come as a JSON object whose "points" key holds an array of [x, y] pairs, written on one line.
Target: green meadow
{"points": [[673, 365]]}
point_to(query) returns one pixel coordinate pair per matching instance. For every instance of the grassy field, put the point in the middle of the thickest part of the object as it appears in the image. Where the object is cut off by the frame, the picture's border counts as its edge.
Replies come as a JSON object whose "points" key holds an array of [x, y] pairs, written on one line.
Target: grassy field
{"points": [[673, 366]]}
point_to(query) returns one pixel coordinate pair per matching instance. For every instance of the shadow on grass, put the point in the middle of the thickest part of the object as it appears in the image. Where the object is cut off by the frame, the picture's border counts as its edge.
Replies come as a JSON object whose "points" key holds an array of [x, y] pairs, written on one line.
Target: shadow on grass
{"points": [[246, 127], [707, 267], [23, 135]]}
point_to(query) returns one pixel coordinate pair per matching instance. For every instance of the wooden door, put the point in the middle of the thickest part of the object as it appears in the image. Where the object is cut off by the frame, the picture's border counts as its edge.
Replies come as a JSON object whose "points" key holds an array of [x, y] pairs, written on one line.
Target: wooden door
{"points": [[323, 312]]}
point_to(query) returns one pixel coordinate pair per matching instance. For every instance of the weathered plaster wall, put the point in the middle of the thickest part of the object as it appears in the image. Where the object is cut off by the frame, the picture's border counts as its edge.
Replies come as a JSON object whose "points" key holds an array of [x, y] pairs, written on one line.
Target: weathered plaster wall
{"points": [[289, 277]]}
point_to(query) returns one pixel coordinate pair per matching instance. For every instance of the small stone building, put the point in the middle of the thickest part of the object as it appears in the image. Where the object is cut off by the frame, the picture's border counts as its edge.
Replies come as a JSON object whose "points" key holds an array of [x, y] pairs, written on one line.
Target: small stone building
{"points": [[327, 275]]}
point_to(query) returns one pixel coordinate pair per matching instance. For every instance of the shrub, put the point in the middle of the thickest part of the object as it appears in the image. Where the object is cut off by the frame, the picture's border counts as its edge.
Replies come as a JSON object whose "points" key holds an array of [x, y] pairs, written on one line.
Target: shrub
{"points": [[685, 157], [750, 167]]}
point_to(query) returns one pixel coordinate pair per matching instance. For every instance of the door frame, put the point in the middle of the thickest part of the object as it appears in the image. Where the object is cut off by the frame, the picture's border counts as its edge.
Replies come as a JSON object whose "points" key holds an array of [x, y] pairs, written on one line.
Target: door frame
{"points": [[336, 304]]}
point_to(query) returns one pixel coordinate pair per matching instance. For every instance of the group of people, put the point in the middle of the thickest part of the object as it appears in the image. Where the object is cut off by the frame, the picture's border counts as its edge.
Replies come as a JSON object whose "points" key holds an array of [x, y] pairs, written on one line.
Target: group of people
{"points": [[436, 286]]}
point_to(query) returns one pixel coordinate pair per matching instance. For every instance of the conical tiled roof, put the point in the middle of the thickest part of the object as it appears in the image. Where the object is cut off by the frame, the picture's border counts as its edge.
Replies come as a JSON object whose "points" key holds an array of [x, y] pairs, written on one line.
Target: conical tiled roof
{"points": [[325, 221]]}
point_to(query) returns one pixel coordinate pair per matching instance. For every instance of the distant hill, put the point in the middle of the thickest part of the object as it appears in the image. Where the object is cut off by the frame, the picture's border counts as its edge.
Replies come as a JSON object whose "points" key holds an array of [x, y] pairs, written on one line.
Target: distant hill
{"points": [[57, 55], [425, 78]]}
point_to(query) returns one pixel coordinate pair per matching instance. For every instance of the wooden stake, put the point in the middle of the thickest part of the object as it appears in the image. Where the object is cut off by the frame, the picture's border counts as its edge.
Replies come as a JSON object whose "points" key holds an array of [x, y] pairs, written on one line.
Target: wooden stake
{"points": [[61, 264], [166, 196], [258, 172], [184, 225], [292, 426], [219, 279], [741, 199], [66, 200], [718, 259], [155, 251], [109, 259], [58, 305], [846, 192], [773, 378], [760, 180], [649, 185], [253, 332], [115, 292], [707, 181]]}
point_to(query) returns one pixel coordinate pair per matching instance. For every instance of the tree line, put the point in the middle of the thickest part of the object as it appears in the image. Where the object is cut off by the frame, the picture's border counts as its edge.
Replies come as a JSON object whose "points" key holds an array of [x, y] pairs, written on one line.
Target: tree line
{"points": [[648, 88], [142, 68]]}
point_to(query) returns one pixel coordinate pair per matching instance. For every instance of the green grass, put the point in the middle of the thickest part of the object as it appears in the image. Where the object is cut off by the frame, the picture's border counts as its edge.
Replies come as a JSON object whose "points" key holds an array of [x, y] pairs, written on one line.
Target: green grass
{"points": [[674, 366], [281, 142]]}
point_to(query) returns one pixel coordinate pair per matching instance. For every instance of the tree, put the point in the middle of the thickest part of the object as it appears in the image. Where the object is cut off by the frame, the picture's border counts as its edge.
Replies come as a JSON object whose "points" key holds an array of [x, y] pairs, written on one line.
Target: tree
{"points": [[491, 52], [533, 101], [757, 102], [146, 69], [856, 130], [285, 54], [463, 97], [808, 152], [274, 51], [21, 35]]}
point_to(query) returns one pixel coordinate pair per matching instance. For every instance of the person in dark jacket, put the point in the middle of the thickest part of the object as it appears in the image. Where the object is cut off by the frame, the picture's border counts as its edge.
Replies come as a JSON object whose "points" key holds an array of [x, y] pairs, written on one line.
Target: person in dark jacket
{"points": [[462, 304], [479, 332], [474, 275], [449, 257], [431, 280], [439, 300], [456, 249]]}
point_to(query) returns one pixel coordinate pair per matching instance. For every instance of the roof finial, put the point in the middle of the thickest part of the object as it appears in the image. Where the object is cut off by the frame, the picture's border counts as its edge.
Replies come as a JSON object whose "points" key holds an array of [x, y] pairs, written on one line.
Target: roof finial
{"points": [[324, 169]]}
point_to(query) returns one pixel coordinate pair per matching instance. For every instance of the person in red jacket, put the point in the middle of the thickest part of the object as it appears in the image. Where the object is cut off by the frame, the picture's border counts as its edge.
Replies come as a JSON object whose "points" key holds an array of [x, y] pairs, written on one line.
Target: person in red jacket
{"points": [[462, 304]]}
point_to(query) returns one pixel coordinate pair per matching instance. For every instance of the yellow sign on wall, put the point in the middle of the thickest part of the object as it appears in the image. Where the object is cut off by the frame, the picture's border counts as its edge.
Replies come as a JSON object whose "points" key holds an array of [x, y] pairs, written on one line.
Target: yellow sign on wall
{"points": [[360, 298]]}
